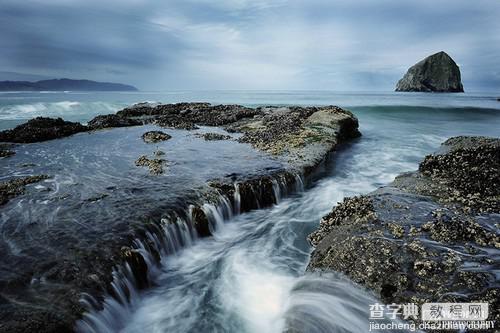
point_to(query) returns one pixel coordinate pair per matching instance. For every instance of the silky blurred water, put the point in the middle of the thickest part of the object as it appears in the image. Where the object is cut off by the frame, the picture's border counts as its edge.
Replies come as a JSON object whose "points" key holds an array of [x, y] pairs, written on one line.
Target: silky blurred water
{"points": [[249, 277]]}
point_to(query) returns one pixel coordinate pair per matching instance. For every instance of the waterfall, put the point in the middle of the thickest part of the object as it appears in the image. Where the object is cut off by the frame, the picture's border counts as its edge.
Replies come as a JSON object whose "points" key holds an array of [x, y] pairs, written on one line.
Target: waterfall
{"points": [[276, 191], [114, 309], [237, 199]]}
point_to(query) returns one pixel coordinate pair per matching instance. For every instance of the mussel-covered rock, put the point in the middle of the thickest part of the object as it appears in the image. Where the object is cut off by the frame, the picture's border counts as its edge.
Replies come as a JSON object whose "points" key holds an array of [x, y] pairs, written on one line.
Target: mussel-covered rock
{"points": [[41, 129], [155, 136], [416, 240], [15, 187], [155, 165], [214, 136], [112, 120]]}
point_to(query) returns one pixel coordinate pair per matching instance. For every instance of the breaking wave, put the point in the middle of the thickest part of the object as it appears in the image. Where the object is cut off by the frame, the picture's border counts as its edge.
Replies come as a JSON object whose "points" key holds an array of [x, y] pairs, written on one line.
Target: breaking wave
{"points": [[71, 110]]}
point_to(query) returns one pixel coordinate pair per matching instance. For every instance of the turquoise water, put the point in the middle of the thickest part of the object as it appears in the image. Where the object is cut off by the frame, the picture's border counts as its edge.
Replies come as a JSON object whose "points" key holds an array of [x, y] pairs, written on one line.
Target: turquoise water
{"points": [[17, 107], [250, 276]]}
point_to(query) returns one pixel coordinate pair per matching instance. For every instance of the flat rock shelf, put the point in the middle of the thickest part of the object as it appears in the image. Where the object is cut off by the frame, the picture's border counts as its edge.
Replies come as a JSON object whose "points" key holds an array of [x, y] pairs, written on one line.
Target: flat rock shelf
{"points": [[86, 212]]}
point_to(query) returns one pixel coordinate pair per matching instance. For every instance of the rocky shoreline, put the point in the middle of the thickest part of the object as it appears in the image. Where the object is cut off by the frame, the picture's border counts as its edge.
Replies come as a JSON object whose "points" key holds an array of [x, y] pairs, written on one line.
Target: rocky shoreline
{"points": [[44, 294], [430, 236]]}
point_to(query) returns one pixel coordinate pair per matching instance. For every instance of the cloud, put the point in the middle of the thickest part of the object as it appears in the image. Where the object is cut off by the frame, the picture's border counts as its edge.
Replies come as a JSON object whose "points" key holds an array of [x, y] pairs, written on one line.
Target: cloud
{"points": [[245, 44]]}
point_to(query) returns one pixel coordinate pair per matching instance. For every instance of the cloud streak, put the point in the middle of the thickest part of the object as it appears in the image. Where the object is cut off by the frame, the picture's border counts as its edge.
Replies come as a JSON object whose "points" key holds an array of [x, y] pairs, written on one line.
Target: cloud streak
{"points": [[244, 44]]}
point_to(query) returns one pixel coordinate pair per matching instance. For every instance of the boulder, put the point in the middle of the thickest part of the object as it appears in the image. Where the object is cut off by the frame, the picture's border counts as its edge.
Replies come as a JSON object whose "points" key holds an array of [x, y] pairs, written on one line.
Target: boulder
{"points": [[41, 129], [5, 150], [155, 136], [436, 73], [155, 165]]}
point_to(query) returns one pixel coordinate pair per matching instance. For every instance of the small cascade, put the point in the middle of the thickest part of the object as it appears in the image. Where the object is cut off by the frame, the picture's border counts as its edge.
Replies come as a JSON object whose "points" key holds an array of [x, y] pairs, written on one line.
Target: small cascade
{"points": [[214, 215], [256, 197], [115, 308], [276, 191], [185, 232], [143, 250], [193, 234], [225, 208], [299, 183], [120, 301], [237, 199]]}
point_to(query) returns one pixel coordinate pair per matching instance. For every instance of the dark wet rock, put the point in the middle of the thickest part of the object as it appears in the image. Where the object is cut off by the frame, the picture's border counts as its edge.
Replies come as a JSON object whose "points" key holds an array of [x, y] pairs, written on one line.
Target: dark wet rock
{"points": [[200, 221], [155, 136], [97, 197], [436, 73], [423, 238], [112, 120], [15, 187], [155, 165], [187, 115], [154, 109], [27, 165], [214, 136], [173, 121], [5, 150], [41, 129]]}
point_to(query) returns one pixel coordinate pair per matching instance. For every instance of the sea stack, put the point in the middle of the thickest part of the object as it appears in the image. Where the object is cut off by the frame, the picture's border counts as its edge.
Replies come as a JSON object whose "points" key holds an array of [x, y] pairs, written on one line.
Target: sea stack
{"points": [[436, 73]]}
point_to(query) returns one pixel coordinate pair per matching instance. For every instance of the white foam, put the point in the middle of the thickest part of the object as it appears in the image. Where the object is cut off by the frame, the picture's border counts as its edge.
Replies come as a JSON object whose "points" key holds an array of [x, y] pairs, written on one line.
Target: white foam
{"points": [[258, 294], [64, 109]]}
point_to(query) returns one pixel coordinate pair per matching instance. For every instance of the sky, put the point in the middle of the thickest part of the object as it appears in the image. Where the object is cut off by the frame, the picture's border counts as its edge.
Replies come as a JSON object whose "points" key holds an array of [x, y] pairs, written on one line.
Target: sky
{"points": [[344, 45]]}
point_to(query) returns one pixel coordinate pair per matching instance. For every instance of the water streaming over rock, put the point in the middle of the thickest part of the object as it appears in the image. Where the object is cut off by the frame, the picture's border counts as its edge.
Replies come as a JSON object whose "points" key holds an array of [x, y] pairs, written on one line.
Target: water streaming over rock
{"points": [[174, 235], [249, 277]]}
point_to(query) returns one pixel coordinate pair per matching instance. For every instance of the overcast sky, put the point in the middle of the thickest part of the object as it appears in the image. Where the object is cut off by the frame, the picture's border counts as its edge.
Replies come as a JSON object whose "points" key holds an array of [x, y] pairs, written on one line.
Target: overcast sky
{"points": [[248, 44]]}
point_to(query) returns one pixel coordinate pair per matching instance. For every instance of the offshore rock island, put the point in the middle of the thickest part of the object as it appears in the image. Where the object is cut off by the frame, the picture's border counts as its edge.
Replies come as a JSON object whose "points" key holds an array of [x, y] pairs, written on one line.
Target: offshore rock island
{"points": [[436, 73]]}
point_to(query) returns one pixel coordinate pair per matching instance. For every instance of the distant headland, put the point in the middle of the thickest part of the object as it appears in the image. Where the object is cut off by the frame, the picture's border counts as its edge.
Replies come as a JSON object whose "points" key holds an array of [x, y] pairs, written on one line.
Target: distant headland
{"points": [[64, 84]]}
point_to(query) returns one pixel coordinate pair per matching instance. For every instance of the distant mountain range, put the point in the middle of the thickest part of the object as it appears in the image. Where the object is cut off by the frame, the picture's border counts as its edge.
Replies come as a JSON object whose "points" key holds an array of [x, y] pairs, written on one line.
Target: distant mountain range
{"points": [[64, 84]]}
